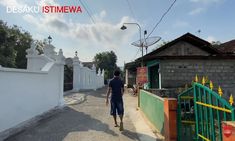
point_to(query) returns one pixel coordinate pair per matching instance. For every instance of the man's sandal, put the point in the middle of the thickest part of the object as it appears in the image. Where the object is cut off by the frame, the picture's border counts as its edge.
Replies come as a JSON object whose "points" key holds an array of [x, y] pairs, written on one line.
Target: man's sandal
{"points": [[121, 127]]}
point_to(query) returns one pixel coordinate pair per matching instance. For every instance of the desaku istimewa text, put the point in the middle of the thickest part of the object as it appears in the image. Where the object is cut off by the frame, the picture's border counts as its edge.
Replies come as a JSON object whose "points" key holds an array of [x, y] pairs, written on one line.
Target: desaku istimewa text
{"points": [[43, 9], [61, 9]]}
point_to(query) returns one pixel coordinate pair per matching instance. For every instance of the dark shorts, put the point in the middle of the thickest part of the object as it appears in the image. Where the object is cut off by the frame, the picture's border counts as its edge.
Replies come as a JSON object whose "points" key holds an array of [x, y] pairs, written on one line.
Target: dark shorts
{"points": [[116, 107]]}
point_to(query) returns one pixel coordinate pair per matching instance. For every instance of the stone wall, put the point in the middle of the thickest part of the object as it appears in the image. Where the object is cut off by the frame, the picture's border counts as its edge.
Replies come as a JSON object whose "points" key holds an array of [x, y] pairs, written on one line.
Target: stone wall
{"points": [[176, 73]]}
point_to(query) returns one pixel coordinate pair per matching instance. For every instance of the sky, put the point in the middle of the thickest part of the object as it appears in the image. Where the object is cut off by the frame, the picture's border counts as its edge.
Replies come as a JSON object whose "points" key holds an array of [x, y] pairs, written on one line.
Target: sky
{"points": [[79, 32]]}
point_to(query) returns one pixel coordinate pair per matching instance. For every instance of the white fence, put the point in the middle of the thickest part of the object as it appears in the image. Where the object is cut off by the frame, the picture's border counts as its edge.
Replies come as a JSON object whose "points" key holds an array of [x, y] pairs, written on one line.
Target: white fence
{"points": [[25, 94], [86, 78]]}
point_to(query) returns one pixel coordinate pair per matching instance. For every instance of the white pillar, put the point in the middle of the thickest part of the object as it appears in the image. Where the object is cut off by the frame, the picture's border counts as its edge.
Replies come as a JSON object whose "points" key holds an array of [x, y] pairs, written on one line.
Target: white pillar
{"points": [[88, 78], [76, 74], [102, 82], [96, 81], [93, 77], [160, 78], [127, 75], [60, 61], [99, 75], [82, 76]]}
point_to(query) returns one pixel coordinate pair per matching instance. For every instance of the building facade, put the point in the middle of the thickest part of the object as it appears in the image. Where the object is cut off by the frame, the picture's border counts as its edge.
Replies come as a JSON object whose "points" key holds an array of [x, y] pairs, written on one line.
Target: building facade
{"points": [[178, 62]]}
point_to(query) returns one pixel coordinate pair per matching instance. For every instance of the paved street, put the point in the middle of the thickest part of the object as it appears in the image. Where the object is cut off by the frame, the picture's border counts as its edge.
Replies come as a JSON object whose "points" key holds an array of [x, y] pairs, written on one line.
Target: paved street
{"points": [[87, 120]]}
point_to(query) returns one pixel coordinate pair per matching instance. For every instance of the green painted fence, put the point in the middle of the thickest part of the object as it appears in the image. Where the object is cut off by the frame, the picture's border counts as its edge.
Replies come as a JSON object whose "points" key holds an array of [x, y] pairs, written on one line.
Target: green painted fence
{"points": [[201, 112], [153, 108]]}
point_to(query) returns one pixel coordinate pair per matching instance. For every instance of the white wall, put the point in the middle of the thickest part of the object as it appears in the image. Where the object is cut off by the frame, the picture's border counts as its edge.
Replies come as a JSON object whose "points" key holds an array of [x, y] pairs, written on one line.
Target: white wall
{"points": [[25, 94], [86, 78]]}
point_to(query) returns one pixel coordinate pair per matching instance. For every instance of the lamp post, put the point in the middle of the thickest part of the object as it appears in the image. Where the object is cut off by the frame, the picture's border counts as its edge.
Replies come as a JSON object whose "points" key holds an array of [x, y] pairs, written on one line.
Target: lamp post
{"points": [[141, 44], [49, 39], [146, 47]]}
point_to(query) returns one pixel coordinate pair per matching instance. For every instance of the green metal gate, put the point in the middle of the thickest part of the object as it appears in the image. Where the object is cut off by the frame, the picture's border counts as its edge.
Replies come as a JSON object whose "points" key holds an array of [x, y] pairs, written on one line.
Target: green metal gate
{"points": [[200, 113]]}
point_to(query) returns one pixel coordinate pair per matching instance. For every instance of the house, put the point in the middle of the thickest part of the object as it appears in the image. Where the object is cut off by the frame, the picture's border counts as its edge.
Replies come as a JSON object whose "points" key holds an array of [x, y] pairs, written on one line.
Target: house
{"points": [[130, 73], [176, 63]]}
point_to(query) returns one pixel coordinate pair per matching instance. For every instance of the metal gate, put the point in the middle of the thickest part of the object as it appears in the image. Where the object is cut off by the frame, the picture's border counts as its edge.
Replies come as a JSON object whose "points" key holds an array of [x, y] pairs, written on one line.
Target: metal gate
{"points": [[200, 113]]}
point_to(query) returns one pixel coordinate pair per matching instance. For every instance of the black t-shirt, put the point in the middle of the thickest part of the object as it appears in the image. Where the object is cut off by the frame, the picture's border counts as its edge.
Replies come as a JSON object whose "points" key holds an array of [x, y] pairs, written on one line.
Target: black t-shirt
{"points": [[116, 85]]}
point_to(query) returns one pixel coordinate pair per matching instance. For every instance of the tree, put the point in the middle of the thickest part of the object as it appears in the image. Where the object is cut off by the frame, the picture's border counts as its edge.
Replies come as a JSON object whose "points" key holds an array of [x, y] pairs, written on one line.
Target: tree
{"points": [[22, 40], [215, 44], [7, 52], [13, 44], [106, 61]]}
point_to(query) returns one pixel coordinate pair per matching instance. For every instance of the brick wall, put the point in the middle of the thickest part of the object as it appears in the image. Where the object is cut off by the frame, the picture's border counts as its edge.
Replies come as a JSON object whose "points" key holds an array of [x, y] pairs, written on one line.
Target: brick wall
{"points": [[176, 73]]}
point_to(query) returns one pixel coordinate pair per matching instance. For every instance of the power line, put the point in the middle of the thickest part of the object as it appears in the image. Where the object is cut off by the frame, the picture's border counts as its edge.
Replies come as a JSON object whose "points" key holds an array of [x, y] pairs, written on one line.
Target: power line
{"points": [[90, 9], [87, 11], [162, 18], [129, 5]]}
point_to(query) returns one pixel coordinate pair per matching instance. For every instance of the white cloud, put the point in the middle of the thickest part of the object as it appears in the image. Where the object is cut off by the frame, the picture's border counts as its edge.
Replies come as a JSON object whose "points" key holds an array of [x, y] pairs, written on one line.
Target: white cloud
{"points": [[87, 38], [10, 3], [180, 24], [196, 11], [203, 5], [210, 39], [102, 33], [46, 2], [100, 16]]}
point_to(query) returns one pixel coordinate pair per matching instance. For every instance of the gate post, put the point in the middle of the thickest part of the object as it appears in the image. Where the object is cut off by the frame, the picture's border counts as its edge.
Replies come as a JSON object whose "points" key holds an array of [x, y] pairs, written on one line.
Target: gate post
{"points": [[170, 119], [76, 74]]}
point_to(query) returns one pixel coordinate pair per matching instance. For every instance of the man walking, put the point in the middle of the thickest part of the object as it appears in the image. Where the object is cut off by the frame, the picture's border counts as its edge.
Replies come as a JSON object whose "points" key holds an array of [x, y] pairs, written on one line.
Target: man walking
{"points": [[116, 102]]}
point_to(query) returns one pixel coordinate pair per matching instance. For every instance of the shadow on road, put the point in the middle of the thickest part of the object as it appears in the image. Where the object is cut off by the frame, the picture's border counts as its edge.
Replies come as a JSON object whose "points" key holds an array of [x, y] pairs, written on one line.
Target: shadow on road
{"points": [[60, 125], [134, 136], [101, 92], [130, 134]]}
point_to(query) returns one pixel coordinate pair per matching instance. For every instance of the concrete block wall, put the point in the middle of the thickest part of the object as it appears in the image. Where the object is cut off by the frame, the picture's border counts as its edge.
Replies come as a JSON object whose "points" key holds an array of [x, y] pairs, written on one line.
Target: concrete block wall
{"points": [[176, 73]]}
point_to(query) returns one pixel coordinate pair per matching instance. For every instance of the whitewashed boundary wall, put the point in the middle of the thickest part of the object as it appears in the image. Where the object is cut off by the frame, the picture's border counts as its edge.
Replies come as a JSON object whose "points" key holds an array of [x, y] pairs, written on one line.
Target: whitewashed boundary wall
{"points": [[25, 94], [86, 78]]}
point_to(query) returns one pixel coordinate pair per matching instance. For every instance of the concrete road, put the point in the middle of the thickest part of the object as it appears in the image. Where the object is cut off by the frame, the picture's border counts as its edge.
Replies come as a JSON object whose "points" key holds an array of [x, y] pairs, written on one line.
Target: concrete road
{"points": [[86, 120]]}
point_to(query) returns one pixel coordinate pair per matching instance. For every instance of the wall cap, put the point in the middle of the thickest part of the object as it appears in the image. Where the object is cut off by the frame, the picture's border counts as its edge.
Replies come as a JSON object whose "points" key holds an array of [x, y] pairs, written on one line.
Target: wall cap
{"points": [[21, 70], [158, 97]]}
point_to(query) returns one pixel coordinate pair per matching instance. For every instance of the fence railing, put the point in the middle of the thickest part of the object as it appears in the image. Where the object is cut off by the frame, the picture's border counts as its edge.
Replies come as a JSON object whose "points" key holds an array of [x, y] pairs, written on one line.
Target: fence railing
{"points": [[201, 112]]}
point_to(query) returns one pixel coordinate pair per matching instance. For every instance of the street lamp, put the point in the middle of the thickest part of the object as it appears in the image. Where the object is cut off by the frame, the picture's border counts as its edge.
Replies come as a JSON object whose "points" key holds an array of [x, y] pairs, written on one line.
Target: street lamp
{"points": [[141, 44], [123, 27], [146, 47], [49, 39]]}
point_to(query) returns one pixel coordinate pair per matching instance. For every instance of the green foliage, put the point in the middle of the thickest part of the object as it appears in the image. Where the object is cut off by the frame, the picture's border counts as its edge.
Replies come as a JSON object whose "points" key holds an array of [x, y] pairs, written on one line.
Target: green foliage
{"points": [[106, 61], [216, 44], [68, 74], [13, 44], [68, 77]]}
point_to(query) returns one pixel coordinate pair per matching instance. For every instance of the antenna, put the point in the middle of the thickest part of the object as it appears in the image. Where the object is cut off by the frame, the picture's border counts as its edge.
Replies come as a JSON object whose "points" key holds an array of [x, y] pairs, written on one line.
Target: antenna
{"points": [[146, 42]]}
